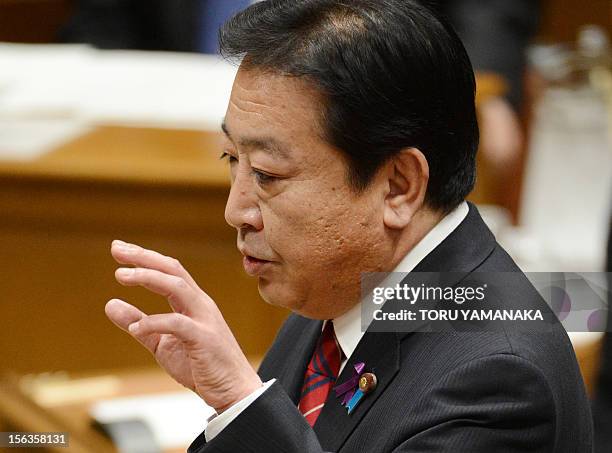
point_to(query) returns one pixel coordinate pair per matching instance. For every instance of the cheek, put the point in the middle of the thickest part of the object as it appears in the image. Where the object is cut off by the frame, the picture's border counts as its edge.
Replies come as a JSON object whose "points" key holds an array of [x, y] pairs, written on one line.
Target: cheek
{"points": [[317, 233], [295, 228]]}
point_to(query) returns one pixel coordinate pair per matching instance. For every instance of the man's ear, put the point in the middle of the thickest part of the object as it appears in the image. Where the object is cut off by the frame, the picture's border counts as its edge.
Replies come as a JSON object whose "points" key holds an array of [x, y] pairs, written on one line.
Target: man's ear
{"points": [[408, 175]]}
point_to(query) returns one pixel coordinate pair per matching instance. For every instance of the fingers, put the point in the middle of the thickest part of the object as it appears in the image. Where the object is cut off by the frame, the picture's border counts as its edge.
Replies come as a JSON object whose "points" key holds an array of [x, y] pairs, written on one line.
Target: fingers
{"points": [[182, 297], [123, 315], [175, 324], [125, 253]]}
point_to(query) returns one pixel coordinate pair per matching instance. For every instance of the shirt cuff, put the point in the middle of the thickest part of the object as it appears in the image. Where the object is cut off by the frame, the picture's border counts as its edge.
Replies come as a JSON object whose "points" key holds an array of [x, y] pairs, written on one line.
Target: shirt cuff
{"points": [[218, 423]]}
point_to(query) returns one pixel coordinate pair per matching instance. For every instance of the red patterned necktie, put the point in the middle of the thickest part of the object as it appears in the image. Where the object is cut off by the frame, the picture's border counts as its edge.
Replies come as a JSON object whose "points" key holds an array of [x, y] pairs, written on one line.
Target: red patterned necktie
{"points": [[321, 374]]}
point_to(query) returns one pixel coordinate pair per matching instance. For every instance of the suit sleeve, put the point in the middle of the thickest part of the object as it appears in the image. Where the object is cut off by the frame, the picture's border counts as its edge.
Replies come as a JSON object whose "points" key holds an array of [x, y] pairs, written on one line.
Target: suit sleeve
{"points": [[497, 403], [271, 423]]}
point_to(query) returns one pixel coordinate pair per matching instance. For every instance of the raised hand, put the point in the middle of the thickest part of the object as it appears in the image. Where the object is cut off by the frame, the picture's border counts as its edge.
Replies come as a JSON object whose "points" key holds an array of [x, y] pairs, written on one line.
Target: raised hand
{"points": [[193, 343]]}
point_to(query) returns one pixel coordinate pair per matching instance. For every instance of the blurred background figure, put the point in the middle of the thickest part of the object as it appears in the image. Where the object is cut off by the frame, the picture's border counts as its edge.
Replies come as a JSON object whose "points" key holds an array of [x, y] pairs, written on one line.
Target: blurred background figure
{"points": [[175, 25], [496, 34]]}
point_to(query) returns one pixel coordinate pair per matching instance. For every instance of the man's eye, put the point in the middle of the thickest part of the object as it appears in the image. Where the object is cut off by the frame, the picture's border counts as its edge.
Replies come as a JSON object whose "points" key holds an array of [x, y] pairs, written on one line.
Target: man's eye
{"points": [[229, 157], [263, 178]]}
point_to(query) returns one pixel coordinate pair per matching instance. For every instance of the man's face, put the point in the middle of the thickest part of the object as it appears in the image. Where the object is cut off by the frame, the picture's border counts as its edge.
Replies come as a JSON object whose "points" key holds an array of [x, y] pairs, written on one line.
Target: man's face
{"points": [[290, 201]]}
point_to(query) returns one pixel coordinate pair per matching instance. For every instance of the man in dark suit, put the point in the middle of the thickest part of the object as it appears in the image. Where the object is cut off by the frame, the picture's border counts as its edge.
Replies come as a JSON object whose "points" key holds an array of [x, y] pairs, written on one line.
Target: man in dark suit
{"points": [[351, 138]]}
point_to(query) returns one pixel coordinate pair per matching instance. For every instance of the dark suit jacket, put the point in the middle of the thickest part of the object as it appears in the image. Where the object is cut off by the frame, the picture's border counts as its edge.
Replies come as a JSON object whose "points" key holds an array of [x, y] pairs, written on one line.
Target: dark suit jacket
{"points": [[452, 391]]}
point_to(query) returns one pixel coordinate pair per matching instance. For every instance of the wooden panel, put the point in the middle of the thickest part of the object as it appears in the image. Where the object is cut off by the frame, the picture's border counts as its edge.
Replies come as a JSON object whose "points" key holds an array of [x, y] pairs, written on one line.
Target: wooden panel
{"points": [[59, 216], [33, 21], [589, 360], [561, 19], [111, 154]]}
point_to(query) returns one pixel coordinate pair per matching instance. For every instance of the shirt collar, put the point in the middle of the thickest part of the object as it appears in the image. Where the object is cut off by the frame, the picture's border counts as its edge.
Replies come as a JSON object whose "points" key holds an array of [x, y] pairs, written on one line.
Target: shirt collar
{"points": [[347, 327]]}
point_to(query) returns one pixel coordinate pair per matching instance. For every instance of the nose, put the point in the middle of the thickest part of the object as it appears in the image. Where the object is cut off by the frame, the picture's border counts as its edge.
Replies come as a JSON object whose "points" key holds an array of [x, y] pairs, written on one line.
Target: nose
{"points": [[242, 207]]}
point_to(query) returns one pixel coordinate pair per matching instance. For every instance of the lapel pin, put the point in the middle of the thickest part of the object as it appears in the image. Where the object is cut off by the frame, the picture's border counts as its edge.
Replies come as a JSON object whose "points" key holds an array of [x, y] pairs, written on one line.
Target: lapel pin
{"points": [[367, 382], [359, 385]]}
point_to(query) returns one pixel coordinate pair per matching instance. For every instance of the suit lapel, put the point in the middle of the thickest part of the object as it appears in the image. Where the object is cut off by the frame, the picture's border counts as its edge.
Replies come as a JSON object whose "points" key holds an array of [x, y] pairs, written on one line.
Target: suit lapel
{"points": [[380, 353]]}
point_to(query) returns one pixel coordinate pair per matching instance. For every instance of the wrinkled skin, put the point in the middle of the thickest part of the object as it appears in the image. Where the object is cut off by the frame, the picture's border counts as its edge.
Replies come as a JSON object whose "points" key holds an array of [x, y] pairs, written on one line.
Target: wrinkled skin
{"points": [[317, 232]]}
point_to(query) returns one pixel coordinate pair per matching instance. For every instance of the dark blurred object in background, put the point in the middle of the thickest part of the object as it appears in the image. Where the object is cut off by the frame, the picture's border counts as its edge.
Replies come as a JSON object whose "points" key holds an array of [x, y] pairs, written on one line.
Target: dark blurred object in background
{"points": [[496, 34], [172, 25], [602, 405], [33, 21]]}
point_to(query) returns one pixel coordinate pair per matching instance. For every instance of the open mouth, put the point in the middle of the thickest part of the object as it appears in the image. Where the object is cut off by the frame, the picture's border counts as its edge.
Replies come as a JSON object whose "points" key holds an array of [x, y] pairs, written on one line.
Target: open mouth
{"points": [[252, 265], [256, 260]]}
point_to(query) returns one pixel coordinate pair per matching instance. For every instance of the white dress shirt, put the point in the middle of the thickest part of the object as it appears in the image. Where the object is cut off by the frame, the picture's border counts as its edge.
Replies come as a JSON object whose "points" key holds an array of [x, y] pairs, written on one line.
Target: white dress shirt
{"points": [[348, 327]]}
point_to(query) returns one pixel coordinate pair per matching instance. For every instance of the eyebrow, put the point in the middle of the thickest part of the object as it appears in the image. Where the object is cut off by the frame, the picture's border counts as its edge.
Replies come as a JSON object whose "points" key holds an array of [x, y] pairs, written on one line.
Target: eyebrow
{"points": [[266, 144]]}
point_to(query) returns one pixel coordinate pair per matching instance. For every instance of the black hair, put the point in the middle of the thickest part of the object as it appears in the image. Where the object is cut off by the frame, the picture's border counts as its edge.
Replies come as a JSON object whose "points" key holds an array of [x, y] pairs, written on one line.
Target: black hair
{"points": [[393, 74]]}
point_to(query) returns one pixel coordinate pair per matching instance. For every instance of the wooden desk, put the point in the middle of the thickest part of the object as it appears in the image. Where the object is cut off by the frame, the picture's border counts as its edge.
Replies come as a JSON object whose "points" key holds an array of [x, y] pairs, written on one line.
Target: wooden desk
{"points": [[23, 406], [588, 355], [112, 154], [164, 189]]}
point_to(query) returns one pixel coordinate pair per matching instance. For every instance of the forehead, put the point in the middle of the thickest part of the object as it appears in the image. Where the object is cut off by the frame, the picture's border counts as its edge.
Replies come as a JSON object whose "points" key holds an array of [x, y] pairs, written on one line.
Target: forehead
{"points": [[267, 104]]}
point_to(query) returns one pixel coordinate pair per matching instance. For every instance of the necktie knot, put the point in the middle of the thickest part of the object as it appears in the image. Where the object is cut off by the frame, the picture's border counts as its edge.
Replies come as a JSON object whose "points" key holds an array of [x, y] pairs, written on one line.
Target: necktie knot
{"points": [[327, 357]]}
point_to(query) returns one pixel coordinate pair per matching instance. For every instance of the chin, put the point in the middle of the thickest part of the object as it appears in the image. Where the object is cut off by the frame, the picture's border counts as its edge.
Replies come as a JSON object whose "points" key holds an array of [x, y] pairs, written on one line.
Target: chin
{"points": [[278, 296]]}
